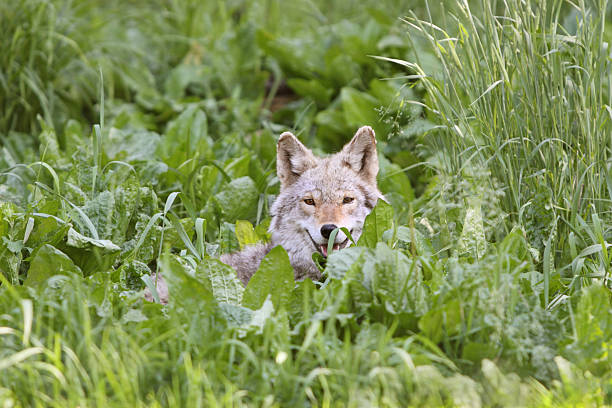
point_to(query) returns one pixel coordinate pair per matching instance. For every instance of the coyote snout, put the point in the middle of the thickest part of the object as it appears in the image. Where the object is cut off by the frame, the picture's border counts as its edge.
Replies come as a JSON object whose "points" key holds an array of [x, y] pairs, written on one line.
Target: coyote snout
{"points": [[317, 195], [339, 242], [325, 215]]}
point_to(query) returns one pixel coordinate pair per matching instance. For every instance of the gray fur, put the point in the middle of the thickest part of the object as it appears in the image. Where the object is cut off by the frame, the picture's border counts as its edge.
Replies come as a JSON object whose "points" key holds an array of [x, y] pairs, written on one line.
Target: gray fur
{"points": [[246, 262]]}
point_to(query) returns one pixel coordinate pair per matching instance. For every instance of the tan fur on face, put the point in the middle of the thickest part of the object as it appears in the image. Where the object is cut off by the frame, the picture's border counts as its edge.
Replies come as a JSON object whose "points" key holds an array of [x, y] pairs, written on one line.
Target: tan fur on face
{"points": [[334, 211], [329, 214]]}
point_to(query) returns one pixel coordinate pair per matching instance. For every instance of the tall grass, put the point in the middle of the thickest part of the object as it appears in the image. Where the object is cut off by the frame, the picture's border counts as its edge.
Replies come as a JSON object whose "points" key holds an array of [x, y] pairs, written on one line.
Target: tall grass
{"points": [[530, 102], [521, 98]]}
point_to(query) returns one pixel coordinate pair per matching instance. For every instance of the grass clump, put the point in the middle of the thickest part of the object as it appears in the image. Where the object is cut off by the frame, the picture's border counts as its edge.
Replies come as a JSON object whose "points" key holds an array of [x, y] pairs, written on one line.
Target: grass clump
{"points": [[524, 94]]}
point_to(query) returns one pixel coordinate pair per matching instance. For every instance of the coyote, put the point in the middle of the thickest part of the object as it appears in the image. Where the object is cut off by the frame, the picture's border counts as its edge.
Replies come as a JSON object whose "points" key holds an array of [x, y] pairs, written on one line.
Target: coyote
{"points": [[317, 195]]}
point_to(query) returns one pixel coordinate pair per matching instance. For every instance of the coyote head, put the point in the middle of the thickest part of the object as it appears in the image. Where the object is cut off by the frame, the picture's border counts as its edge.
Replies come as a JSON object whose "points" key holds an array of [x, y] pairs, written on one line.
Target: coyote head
{"points": [[318, 195]]}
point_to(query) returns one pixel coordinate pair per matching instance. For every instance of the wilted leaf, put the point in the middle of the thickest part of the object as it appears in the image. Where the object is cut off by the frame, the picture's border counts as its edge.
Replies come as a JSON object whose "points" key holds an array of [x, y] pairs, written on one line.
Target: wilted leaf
{"points": [[78, 240]]}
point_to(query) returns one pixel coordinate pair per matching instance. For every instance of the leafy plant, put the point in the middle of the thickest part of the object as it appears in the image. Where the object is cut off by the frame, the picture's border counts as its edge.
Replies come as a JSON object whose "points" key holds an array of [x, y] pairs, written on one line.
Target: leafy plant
{"points": [[482, 279]]}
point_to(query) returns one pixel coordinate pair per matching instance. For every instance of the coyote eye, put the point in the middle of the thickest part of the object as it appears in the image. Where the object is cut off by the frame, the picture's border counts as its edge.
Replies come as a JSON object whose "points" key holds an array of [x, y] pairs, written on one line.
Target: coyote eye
{"points": [[347, 200], [309, 201]]}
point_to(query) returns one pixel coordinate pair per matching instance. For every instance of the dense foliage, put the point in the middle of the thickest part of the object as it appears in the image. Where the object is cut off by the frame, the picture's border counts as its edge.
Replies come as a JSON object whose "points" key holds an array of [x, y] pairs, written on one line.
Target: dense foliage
{"points": [[139, 138]]}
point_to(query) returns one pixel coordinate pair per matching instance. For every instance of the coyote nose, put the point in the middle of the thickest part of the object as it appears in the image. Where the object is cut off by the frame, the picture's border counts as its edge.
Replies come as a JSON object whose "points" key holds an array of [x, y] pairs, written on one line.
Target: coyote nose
{"points": [[327, 229]]}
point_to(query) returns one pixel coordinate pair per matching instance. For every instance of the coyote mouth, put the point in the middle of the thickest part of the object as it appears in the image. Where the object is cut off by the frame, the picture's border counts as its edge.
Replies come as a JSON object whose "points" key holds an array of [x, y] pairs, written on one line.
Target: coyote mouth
{"points": [[323, 248]]}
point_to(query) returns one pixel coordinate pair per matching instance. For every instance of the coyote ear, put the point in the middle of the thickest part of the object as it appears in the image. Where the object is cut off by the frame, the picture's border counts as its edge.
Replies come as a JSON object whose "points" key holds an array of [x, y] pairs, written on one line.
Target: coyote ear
{"points": [[360, 154], [292, 159]]}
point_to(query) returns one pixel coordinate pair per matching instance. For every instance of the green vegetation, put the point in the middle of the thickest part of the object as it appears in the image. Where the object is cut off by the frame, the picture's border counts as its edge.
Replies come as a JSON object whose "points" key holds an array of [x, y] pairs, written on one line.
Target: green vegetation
{"points": [[139, 137]]}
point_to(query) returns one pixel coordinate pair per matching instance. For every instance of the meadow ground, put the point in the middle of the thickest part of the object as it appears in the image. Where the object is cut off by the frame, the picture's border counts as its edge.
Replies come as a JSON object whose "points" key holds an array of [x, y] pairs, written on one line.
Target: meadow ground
{"points": [[139, 137]]}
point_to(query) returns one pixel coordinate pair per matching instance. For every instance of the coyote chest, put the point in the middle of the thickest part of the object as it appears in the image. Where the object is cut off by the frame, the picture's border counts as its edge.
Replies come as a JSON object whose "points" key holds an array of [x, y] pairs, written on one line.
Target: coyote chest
{"points": [[317, 195]]}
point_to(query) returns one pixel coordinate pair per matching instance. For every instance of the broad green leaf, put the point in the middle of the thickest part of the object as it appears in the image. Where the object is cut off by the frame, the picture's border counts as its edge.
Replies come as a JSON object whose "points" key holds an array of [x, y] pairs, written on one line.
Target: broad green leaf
{"points": [[330, 124], [377, 222], [515, 252], [179, 235], [223, 282], [591, 347], [388, 94], [148, 233], [133, 315], [238, 167], [185, 137], [11, 242], [89, 254], [128, 201], [245, 233], [444, 321], [260, 316], [302, 302], [341, 69], [359, 107], [339, 262], [236, 316], [130, 274], [227, 237], [47, 230], [49, 261], [131, 145], [417, 127], [393, 180], [274, 278], [311, 88], [100, 212], [421, 243], [476, 352], [391, 279], [180, 77], [238, 200], [185, 290]]}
